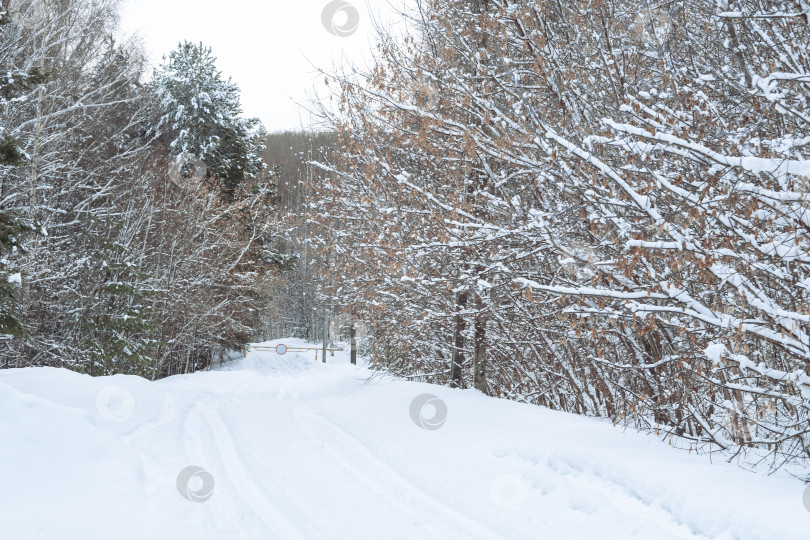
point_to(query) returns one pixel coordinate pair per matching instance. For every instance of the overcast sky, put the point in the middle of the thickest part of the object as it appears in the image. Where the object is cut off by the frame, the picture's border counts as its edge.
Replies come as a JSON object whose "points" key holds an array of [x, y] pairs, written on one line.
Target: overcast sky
{"points": [[268, 48]]}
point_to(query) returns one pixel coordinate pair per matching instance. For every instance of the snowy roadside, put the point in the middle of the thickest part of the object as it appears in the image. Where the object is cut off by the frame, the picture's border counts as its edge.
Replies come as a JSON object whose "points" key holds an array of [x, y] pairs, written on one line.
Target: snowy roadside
{"points": [[289, 448]]}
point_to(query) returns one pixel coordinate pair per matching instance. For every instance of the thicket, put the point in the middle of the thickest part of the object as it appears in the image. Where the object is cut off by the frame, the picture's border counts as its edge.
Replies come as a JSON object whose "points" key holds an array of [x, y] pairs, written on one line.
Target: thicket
{"points": [[598, 207], [133, 215]]}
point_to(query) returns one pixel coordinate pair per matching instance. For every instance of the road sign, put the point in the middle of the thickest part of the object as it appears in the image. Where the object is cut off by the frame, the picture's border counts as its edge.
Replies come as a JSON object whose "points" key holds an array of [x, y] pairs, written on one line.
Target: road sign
{"points": [[281, 348]]}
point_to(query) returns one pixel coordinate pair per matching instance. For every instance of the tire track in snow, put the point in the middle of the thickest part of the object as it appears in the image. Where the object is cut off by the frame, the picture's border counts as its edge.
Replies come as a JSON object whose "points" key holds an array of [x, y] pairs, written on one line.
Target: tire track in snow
{"points": [[196, 438], [393, 499], [367, 465], [245, 487]]}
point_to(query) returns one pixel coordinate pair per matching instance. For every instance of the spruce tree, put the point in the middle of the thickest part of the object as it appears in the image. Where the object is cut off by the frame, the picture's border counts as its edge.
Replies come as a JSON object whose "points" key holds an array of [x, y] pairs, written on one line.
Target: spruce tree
{"points": [[12, 84]]}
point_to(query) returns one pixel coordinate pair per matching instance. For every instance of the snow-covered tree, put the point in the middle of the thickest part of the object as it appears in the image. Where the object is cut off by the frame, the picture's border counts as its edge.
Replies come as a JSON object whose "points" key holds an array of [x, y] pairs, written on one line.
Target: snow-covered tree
{"points": [[13, 83], [79, 129], [138, 269], [617, 219], [200, 116]]}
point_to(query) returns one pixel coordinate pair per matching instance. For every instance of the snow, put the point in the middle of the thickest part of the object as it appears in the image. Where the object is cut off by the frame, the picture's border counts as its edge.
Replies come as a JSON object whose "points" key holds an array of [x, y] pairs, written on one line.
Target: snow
{"points": [[715, 352], [776, 166], [15, 278], [286, 447]]}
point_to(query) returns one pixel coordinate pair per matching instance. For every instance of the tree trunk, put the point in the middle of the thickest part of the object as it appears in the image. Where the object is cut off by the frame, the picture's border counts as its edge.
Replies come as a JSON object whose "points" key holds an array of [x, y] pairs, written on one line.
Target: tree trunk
{"points": [[188, 359], [325, 333], [32, 215], [480, 351], [353, 341], [458, 344]]}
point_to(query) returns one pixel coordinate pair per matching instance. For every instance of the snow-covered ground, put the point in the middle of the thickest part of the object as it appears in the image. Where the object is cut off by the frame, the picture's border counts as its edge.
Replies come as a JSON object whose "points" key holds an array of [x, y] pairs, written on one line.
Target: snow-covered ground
{"points": [[288, 448]]}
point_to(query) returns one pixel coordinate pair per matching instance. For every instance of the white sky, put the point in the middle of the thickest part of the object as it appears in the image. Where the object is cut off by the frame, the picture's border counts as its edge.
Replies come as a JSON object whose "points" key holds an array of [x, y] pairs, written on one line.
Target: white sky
{"points": [[267, 48]]}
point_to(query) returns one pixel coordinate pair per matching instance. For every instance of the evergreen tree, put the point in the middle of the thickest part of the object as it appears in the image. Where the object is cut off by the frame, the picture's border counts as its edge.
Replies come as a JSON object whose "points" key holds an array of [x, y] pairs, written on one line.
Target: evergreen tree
{"points": [[12, 83], [200, 118]]}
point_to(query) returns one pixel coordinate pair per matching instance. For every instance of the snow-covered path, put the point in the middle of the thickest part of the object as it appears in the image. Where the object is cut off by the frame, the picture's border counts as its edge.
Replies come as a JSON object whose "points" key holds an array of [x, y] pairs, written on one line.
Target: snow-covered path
{"points": [[296, 449]]}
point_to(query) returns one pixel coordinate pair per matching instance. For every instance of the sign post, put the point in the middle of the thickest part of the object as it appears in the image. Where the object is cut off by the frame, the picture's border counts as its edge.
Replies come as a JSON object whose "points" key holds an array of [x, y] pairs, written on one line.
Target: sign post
{"points": [[325, 335]]}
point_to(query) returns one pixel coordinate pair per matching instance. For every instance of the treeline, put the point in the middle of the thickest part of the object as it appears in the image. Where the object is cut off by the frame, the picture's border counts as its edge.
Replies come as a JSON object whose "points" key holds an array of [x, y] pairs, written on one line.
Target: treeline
{"points": [[134, 230], [297, 306], [593, 206]]}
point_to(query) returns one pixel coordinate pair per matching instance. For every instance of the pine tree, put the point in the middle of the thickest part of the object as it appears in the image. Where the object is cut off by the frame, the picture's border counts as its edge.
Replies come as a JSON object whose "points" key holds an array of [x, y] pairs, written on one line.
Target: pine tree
{"points": [[199, 116]]}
